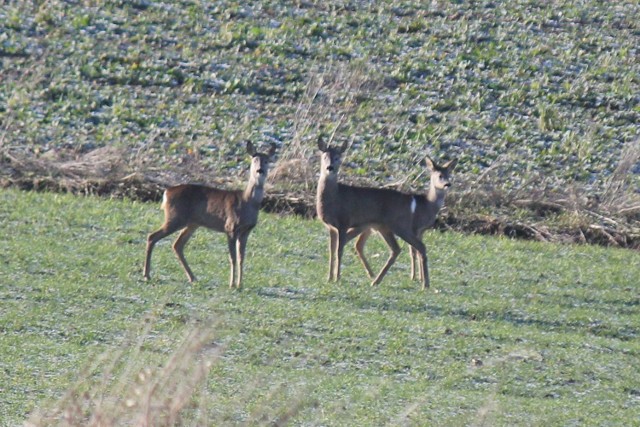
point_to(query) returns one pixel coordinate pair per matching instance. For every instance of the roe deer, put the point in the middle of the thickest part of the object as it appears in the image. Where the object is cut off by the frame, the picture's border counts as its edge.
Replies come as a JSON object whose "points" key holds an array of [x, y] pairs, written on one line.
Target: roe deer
{"points": [[424, 208], [189, 206], [349, 211]]}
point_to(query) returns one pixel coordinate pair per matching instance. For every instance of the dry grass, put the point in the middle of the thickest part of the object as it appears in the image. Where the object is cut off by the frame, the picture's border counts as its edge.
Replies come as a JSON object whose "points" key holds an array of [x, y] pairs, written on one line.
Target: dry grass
{"points": [[532, 211], [103, 163], [540, 211], [620, 197], [332, 95], [128, 391], [123, 389]]}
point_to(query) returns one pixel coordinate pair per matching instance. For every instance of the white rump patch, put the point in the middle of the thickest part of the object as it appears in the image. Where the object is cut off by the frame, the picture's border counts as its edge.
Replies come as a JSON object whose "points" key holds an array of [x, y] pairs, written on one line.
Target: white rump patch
{"points": [[413, 205], [164, 199]]}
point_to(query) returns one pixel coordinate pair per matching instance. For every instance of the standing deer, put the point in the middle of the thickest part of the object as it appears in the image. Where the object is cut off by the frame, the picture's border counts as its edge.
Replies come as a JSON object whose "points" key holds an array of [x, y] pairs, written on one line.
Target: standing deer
{"points": [[424, 208], [189, 206], [349, 211]]}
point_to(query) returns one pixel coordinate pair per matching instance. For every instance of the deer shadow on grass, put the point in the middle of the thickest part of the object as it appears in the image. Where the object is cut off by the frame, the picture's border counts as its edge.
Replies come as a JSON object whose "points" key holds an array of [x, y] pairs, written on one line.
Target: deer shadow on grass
{"points": [[366, 302]]}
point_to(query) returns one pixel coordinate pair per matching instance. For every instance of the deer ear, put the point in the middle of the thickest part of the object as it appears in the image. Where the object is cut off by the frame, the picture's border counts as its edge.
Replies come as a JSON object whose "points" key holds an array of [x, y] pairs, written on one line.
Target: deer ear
{"points": [[344, 146], [251, 149], [450, 165], [272, 150], [322, 146], [430, 164]]}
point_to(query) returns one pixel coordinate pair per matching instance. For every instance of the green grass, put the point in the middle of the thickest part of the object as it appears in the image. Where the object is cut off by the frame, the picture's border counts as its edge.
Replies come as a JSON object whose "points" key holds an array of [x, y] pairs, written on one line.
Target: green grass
{"points": [[546, 93], [554, 328]]}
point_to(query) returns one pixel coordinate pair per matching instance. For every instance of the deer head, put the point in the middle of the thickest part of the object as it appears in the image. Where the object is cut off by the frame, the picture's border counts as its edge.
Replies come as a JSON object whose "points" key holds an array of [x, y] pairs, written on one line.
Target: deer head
{"points": [[331, 158], [260, 162], [440, 175]]}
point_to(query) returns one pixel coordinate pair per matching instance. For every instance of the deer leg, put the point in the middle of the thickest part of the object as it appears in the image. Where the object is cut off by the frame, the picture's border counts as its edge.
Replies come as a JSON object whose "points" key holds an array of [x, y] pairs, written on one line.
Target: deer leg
{"points": [[417, 271], [360, 242], [415, 261], [419, 247], [389, 238], [241, 245], [152, 239], [413, 255], [421, 265], [333, 249], [178, 248], [424, 271], [342, 241], [231, 241]]}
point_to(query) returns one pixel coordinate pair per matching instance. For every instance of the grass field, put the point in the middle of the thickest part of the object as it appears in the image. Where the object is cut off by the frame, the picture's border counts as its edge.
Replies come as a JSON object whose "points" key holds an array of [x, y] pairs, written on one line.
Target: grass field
{"points": [[521, 333], [537, 100]]}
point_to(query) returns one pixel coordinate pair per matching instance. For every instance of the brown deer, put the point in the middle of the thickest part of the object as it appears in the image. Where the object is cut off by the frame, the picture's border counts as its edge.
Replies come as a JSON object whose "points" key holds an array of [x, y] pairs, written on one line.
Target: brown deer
{"points": [[349, 211], [189, 206], [425, 209]]}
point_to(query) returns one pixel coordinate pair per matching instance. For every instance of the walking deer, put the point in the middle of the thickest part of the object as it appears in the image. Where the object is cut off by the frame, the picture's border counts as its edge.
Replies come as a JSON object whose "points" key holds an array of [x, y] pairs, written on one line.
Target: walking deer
{"points": [[424, 209], [349, 212], [235, 213]]}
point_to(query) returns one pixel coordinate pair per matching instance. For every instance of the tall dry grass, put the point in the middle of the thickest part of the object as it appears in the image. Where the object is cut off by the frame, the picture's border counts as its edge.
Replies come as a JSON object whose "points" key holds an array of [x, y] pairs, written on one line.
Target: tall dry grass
{"points": [[330, 99], [122, 388], [621, 196]]}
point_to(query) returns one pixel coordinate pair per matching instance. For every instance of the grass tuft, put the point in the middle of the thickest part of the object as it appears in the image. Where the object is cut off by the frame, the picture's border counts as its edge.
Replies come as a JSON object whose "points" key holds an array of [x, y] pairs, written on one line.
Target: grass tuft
{"points": [[124, 388]]}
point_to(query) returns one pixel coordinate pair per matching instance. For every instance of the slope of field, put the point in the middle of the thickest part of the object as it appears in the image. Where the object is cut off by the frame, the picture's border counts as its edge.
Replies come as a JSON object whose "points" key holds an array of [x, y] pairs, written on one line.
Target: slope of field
{"points": [[538, 100], [521, 333]]}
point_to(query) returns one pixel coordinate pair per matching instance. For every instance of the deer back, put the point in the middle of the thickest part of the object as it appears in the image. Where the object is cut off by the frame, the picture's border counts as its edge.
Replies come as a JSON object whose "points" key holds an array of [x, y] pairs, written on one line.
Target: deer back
{"points": [[200, 205], [364, 206]]}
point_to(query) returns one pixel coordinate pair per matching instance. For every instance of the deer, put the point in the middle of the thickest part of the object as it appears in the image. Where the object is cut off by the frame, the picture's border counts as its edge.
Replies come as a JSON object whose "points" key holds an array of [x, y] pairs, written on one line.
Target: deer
{"points": [[349, 212], [425, 209], [233, 212]]}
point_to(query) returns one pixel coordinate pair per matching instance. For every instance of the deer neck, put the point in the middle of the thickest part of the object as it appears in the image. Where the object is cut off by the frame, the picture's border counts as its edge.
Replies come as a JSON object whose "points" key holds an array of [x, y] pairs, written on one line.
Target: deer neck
{"points": [[435, 197], [254, 192], [326, 197], [327, 185]]}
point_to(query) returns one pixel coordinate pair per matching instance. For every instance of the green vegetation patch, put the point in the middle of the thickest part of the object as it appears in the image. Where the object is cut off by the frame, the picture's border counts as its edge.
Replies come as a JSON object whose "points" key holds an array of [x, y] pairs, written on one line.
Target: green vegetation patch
{"points": [[521, 333], [546, 91]]}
